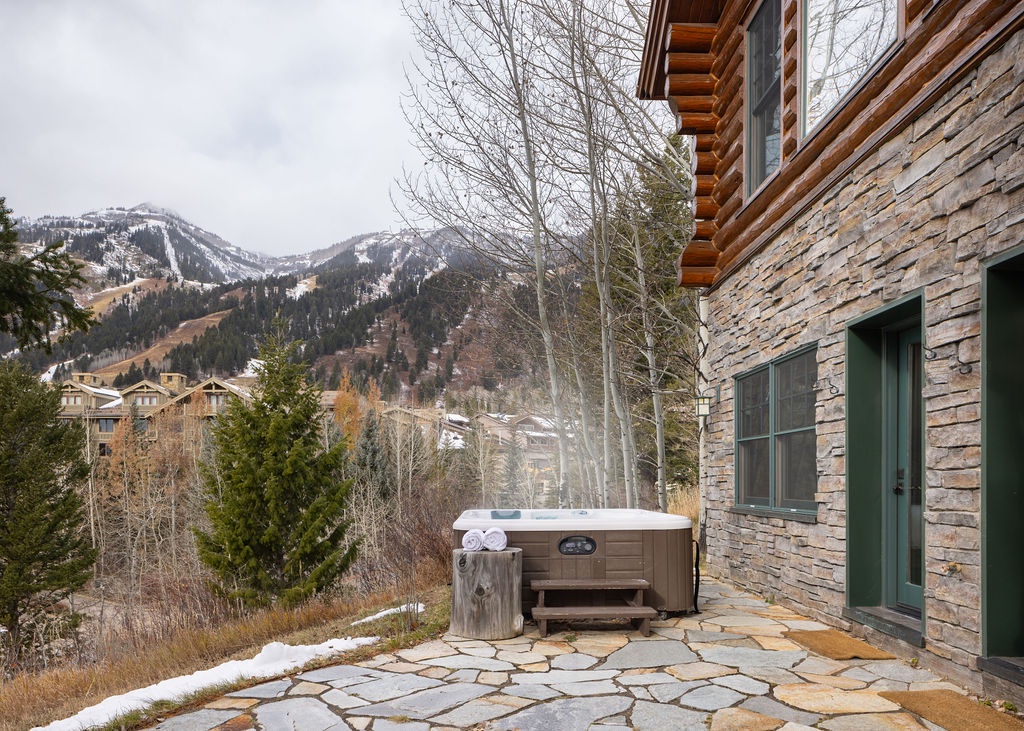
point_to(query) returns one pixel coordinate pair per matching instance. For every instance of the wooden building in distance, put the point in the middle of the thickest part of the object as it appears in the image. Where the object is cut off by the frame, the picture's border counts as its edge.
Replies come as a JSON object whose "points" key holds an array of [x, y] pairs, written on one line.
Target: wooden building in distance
{"points": [[859, 244], [102, 408]]}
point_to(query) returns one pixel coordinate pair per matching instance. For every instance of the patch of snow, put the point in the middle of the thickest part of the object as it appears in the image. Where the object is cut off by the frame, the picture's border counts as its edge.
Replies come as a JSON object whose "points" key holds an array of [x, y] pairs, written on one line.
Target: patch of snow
{"points": [[395, 610], [47, 377], [252, 368], [109, 392], [172, 255], [273, 660], [544, 423], [306, 285], [457, 418], [135, 282], [450, 440]]}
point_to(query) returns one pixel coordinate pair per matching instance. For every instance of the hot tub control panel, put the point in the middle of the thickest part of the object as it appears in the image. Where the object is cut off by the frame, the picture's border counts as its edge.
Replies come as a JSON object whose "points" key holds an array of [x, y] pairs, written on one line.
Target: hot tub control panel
{"points": [[577, 546]]}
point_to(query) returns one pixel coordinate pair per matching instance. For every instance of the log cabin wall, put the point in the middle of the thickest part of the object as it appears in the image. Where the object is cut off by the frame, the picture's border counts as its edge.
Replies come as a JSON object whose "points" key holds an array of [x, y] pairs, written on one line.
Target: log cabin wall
{"points": [[938, 42], [905, 193]]}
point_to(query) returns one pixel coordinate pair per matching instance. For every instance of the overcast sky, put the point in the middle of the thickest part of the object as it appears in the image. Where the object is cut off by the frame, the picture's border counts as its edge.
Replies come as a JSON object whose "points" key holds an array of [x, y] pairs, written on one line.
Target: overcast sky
{"points": [[274, 124]]}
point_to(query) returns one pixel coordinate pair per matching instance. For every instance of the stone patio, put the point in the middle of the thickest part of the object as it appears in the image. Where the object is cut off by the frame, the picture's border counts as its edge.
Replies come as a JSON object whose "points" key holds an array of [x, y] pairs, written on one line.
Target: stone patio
{"points": [[726, 668]]}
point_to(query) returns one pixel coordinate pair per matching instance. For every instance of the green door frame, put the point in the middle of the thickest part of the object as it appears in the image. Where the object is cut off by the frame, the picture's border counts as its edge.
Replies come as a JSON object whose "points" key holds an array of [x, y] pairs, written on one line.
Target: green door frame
{"points": [[1002, 436], [869, 463]]}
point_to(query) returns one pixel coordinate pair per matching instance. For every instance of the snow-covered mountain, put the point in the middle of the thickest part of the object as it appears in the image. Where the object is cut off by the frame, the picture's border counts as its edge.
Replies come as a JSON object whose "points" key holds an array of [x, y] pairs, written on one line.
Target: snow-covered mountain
{"points": [[120, 244], [146, 241]]}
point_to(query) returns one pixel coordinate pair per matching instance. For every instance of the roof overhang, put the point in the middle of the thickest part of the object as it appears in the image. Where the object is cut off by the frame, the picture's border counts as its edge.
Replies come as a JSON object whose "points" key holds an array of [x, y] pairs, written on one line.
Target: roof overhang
{"points": [[651, 84]]}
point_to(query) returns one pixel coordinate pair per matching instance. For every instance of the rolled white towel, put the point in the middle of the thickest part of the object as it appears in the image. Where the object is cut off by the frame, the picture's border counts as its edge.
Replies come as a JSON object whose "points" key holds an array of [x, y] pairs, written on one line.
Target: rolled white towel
{"points": [[473, 540], [495, 539]]}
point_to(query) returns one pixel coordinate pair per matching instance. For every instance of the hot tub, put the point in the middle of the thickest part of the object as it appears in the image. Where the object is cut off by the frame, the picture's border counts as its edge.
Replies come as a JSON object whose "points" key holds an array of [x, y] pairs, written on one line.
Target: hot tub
{"points": [[598, 544]]}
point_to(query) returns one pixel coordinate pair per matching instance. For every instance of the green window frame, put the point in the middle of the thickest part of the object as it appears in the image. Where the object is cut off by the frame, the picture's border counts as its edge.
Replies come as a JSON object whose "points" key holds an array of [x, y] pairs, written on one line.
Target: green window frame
{"points": [[776, 454]]}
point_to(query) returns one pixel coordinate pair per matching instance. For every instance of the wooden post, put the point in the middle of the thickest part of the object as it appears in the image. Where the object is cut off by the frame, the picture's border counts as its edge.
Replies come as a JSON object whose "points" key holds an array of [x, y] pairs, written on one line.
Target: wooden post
{"points": [[487, 594]]}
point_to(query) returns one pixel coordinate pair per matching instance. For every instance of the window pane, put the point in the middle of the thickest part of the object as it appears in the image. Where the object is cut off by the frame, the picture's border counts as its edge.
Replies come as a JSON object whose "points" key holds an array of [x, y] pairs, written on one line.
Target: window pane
{"points": [[764, 103], [794, 384], [843, 40], [753, 404], [796, 469], [753, 471]]}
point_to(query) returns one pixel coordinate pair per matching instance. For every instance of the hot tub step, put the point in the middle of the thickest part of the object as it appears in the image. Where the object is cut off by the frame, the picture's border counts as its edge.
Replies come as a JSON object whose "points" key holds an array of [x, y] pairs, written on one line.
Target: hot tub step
{"points": [[539, 585], [645, 614], [632, 607]]}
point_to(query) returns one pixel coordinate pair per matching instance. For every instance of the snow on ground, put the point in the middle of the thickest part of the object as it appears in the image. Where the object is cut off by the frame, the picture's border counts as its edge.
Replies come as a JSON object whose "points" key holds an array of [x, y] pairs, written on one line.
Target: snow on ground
{"points": [[172, 255], [450, 440], [48, 376], [385, 612], [135, 282], [302, 287], [252, 368], [273, 660]]}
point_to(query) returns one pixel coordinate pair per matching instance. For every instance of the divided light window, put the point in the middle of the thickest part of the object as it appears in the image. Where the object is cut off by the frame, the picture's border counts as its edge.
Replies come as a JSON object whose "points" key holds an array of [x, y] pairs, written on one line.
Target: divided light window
{"points": [[842, 40], [764, 95], [776, 464]]}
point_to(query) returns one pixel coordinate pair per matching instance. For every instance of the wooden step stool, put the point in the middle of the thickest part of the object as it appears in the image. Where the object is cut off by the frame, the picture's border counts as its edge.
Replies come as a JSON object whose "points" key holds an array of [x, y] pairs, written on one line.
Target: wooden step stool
{"points": [[633, 607]]}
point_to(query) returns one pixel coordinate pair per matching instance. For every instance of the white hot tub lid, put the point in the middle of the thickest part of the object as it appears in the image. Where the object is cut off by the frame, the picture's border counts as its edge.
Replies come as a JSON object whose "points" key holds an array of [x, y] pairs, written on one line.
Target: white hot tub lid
{"points": [[570, 520]]}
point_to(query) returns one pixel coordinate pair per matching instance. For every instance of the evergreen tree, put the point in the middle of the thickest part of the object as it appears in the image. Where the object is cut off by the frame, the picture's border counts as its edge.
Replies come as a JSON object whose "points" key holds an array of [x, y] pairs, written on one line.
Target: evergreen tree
{"points": [[35, 291], [276, 497], [512, 476], [371, 462], [44, 552]]}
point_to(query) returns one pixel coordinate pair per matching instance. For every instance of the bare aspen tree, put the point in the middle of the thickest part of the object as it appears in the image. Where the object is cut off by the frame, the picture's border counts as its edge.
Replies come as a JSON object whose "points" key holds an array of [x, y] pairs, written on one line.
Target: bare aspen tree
{"points": [[527, 117], [616, 138], [473, 107]]}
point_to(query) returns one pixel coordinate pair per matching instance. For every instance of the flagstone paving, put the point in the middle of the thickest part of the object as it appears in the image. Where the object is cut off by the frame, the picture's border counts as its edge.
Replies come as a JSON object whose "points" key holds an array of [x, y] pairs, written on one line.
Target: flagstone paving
{"points": [[727, 668]]}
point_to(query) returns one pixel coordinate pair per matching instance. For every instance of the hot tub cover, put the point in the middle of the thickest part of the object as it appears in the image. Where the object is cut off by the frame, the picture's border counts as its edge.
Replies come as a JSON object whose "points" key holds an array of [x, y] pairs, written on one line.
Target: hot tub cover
{"points": [[570, 520]]}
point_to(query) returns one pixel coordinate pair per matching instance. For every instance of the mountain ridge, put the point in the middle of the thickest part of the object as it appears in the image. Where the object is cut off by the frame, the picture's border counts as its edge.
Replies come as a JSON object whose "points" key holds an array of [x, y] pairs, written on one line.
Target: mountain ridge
{"points": [[390, 306], [118, 245]]}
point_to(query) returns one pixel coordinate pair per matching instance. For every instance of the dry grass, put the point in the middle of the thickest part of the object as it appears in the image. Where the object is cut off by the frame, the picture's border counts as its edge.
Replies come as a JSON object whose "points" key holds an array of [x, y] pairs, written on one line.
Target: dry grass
{"points": [[159, 350], [101, 302], [32, 700], [686, 501]]}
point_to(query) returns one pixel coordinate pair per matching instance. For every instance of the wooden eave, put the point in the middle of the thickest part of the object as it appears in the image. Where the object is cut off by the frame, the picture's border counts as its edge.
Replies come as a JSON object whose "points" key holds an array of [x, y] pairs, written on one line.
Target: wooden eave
{"points": [[679, 66], [210, 385], [941, 43], [651, 84], [145, 387]]}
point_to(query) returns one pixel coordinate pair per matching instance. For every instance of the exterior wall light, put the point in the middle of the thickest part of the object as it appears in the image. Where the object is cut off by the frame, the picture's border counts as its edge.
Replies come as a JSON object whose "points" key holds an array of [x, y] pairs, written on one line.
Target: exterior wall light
{"points": [[702, 401]]}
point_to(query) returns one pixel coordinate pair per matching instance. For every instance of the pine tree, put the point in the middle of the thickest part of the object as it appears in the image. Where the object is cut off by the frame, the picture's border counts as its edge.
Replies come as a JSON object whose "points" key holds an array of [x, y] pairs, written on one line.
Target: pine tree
{"points": [[35, 291], [371, 462], [276, 497], [44, 552], [512, 477]]}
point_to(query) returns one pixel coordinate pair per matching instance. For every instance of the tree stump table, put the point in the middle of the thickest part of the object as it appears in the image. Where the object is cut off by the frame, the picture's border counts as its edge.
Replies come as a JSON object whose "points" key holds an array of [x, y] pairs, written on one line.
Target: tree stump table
{"points": [[487, 594]]}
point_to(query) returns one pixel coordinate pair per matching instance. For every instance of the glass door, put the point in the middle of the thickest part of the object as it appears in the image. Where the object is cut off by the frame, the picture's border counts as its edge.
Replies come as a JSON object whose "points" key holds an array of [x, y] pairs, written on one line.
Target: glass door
{"points": [[906, 561]]}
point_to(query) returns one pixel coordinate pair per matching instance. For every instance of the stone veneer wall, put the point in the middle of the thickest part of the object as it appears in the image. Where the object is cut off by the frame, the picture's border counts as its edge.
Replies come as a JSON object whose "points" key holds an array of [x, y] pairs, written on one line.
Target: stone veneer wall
{"points": [[920, 214]]}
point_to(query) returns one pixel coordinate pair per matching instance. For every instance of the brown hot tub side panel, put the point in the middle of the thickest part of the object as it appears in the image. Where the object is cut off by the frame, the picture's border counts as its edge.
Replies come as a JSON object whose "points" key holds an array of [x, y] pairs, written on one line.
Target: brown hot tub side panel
{"points": [[663, 557]]}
